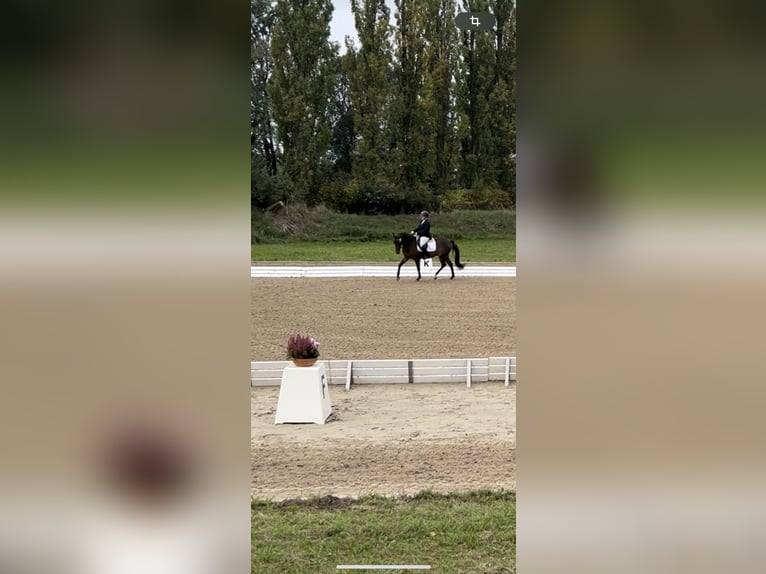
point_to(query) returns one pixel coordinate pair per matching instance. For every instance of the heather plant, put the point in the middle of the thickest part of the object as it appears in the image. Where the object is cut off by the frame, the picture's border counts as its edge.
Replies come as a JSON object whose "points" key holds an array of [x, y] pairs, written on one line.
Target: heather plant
{"points": [[302, 347]]}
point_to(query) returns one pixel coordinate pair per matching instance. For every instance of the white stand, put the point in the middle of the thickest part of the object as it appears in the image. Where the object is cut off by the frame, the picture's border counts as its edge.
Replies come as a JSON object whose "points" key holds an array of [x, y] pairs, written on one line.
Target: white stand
{"points": [[304, 395]]}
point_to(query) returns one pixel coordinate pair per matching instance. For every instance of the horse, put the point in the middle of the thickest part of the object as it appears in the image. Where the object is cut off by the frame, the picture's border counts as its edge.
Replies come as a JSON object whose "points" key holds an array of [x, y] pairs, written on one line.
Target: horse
{"points": [[406, 243]]}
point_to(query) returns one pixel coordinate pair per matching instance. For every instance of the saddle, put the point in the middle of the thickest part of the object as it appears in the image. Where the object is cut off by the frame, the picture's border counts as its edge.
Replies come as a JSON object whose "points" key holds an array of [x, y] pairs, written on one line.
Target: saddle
{"points": [[429, 245]]}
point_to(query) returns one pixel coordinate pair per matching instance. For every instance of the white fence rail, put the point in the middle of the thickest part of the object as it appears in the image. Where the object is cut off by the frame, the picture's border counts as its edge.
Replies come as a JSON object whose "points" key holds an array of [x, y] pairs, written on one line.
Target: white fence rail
{"points": [[408, 270], [386, 371]]}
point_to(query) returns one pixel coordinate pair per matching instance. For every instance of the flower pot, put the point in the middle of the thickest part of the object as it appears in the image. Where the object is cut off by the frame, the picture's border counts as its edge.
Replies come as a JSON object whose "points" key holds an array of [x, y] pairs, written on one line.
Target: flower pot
{"points": [[304, 362]]}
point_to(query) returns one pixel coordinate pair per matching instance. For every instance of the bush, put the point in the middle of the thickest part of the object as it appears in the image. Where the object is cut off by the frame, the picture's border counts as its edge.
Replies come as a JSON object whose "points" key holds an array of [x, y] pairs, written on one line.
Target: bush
{"points": [[299, 223], [262, 229], [457, 199], [262, 190], [339, 194], [490, 197]]}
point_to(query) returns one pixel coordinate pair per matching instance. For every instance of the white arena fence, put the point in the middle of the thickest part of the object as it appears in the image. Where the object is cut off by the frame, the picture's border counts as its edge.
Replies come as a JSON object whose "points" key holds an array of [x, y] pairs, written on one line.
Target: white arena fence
{"points": [[345, 372], [408, 270]]}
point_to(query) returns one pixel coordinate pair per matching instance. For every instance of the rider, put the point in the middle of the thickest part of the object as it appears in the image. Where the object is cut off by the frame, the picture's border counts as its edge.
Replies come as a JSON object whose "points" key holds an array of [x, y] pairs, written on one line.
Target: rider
{"points": [[423, 230]]}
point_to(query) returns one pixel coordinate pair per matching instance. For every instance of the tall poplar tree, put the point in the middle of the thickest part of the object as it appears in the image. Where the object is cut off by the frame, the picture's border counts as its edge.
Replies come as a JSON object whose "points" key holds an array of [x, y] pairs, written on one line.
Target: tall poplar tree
{"points": [[486, 102], [263, 159], [343, 140], [440, 61], [301, 92], [502, 100], [369, 75], [413, 122], [475, 77]]}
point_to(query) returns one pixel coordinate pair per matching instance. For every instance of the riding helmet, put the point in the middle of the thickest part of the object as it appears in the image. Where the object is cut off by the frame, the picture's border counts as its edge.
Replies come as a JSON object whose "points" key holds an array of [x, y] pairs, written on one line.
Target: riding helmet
{"points": [[424, 214]]}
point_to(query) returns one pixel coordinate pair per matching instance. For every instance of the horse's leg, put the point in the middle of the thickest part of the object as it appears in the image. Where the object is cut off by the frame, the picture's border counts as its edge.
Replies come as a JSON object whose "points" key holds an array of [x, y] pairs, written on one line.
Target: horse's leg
{"points": [[398, 269], [451, 268], [417, 264], [441, 258]]}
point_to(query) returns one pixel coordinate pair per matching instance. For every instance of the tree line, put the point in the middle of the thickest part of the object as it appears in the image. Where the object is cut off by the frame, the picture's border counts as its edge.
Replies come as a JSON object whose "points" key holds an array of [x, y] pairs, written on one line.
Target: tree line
{"points": [[415, 115]]}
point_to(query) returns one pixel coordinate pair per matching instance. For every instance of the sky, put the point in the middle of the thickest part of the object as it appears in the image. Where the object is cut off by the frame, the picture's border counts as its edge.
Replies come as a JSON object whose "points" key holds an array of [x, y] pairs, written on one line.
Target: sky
{"points": [[342, 24]]}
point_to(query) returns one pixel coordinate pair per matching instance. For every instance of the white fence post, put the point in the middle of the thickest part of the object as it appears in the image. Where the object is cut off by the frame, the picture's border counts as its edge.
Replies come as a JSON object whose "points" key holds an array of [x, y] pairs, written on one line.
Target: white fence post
{"points": [[507, 371], [348, 376], [468, 373]]}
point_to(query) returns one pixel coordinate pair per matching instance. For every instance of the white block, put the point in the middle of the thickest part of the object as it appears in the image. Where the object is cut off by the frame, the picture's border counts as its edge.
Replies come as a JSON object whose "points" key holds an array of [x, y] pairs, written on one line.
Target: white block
{"points": [[304, 395]]}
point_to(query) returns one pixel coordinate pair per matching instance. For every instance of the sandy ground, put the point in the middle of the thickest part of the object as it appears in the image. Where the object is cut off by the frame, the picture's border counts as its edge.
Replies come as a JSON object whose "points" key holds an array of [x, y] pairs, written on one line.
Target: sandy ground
{"points": [[387, 439], [374, 318]]}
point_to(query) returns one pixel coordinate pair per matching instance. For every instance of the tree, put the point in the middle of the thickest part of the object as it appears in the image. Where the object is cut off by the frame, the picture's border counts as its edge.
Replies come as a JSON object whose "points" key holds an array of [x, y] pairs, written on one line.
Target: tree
{"points": [[301, 92], [343, 121], [502, 99], [413, 130], [486, 101], [369, 75], [263, 157], [335, 191], [441, 55], [414, 116]]}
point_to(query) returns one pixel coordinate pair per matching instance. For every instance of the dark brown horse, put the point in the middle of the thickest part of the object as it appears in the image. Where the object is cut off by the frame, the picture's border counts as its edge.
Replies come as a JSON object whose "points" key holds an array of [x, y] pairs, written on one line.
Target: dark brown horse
{"points": [[405, 243]]}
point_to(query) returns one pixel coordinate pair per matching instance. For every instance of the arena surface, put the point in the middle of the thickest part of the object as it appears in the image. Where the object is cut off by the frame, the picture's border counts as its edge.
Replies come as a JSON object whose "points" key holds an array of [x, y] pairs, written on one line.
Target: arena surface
{"points": [[387, 439], [371, 318]]}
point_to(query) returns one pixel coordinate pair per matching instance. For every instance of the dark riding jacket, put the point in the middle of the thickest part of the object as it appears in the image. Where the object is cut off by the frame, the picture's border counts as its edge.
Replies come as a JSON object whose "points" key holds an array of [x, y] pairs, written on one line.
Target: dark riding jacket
{"points": [[424, 229]]}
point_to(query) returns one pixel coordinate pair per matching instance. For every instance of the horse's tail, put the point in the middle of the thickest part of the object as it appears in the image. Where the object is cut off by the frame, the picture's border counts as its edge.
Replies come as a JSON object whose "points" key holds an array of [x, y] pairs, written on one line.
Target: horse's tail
{"points": [[457, 255]]}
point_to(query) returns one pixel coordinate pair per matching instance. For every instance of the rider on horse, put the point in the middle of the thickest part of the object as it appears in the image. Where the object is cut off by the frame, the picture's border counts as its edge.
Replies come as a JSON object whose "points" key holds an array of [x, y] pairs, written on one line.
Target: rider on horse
{"points": [[423, 230]]}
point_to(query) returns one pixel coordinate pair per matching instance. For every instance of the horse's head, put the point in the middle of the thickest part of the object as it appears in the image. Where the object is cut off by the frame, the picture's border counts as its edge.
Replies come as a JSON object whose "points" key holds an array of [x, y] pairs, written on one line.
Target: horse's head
{"points": [[397, 243]]}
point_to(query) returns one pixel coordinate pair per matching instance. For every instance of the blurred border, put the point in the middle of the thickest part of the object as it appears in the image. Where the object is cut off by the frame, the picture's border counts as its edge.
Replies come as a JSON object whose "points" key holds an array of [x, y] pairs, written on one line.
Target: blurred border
{"points": [[124, 244], [641, 256]]}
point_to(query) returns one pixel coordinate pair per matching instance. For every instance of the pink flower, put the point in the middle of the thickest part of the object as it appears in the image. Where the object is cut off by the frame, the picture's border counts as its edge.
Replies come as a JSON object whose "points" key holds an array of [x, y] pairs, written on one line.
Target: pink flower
{"points": [[302, 347]]}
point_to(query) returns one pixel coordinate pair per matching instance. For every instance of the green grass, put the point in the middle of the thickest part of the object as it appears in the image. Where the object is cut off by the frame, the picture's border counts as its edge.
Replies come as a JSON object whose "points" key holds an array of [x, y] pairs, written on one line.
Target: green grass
{"points": [[471, 533], [471, 250]]}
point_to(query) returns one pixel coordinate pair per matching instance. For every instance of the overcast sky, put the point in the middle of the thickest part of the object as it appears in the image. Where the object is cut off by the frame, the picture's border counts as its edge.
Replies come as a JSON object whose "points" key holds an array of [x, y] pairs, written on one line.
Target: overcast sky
{"points": [[342, 24]]}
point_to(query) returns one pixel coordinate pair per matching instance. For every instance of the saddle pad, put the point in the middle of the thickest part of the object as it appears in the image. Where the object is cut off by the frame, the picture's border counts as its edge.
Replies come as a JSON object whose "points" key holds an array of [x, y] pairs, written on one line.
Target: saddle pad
{"points": [[431, 245]]}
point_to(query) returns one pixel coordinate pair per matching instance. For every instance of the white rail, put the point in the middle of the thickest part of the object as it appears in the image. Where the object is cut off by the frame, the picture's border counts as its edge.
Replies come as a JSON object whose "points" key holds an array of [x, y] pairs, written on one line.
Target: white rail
{"points": [[408, 270], [386, 371]]}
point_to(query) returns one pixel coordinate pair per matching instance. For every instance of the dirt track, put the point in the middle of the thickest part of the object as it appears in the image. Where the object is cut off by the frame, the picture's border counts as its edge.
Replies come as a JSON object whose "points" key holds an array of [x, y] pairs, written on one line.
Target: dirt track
{"points": [[387, 439], [385, 319]]}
